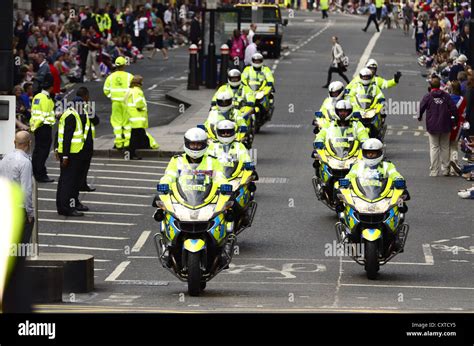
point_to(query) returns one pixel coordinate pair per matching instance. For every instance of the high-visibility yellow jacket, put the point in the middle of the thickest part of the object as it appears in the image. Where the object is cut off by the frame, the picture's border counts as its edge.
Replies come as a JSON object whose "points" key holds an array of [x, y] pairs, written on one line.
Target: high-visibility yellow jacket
{"points": [[117, 84], [12, 218], [42, 111], [79, 136], [137, 108], [324, 4]]}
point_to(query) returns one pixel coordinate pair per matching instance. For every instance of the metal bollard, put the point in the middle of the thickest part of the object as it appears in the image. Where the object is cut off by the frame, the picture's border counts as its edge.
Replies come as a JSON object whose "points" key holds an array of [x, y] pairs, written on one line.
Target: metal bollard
{"points": [[224, 64], [193, 82]]}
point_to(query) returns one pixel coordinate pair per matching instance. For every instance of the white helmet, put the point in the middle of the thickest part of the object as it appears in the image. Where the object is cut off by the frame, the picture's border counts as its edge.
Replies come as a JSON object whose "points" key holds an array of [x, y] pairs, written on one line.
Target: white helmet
{"points": [[225, 131], [224, 101], [343, 110], [233, 77], [257, 60], [372, 152], [372, 65], [195, 142], [365, 76], [336, 90]]}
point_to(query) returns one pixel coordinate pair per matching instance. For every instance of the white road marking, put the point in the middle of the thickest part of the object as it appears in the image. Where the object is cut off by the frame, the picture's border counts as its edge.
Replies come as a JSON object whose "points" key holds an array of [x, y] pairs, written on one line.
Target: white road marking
{"points": [[123, 160], [112, 171], [161, 104], [122, 165], [104, 193], [82, 236], [79, 247], [368, 50], [428, 254], [142, 282], [117, 271], [102, 203], [268, 180], [410, 286], [152, 87], [127, 187], [338, 284], [398, 263], [441, 241], [292, 126], [462, 237], [101, 260], [95, 213], [117, 178], [141, 241], [89, 222]]}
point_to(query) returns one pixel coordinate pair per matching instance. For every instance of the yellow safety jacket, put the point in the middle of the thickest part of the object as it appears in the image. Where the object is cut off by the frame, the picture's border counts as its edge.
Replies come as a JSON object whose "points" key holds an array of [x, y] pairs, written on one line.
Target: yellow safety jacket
{"points": [[137, 108], [80, 134], [42, 111], [117, 84]]}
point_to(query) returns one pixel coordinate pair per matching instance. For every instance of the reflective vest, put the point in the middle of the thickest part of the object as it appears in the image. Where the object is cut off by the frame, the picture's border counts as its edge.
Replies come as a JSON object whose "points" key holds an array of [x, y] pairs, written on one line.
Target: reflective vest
{"points": [[80, 134], [86, 110], [117, 84], [179, 166], [12, 218], [379, 3], [42, 111], [324, 4], [236, 150], [136, 108], [251, 77]]}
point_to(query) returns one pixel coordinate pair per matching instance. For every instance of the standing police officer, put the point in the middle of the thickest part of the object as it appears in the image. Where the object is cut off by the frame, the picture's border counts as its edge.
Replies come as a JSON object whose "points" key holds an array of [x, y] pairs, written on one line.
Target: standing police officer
{"points": [[74, 131], [41, 124], [115, 87]]}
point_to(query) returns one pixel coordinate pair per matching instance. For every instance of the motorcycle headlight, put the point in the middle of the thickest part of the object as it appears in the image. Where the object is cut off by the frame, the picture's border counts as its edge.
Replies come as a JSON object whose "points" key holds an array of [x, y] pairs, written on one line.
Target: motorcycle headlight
{"points": [[259, 95]]}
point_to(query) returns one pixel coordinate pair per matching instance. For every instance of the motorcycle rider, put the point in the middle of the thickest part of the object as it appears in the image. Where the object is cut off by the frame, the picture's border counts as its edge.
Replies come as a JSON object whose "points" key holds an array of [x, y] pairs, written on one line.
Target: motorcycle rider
{"points": [[227, 148], [336, 93], [194, 158], [365, 89], [242, 95], [381, 82], [224, 110], [259, 77], [344, 119]]}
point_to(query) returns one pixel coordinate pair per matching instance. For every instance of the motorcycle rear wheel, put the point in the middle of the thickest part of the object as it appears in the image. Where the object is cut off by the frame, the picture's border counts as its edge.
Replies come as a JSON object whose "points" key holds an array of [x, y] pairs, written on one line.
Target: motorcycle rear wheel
{"points": [[371, 259], [194, 274]]}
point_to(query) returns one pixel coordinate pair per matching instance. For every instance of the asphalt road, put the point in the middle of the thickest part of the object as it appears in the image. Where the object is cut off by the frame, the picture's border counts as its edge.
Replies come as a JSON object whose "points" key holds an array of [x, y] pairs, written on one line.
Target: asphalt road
{"points": [[281, 264]]}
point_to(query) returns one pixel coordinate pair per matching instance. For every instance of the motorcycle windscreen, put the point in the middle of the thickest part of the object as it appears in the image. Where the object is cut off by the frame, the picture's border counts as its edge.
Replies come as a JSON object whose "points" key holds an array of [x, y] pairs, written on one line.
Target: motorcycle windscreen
{"points": [[364, 101], [195, 186], [230, 164], [340, 143], [371, 184]]}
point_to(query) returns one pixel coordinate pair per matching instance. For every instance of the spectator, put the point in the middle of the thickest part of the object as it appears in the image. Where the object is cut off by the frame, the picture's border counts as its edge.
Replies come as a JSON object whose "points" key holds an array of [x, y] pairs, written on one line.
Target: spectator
{"points": [[251, 49], [252, 30], [158, 39], [93, 44], [460, 102], [453, 53], [195, 31], [407, 17], [434, 37], [439, 109], [463, 40], [457, 67], [43, 70], [237, 50], [83, 51], [336, 63]]}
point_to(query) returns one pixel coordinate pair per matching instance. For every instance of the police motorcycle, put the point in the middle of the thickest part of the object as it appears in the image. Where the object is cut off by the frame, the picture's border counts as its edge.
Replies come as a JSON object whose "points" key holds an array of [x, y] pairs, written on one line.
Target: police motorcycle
{"points": [[372, 218], [335, 156], [239, 173], [196, 235], [264, 95], [369, 106]]}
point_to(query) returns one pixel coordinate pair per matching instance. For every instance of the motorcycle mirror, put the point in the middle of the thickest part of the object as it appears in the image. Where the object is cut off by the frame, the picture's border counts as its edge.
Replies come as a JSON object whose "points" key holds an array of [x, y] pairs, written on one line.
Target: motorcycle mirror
{"points": [[249, 166], [356, 115], [344, 183], [316, 130], [163, 188], [226, 189], [318, 114], [400, 184], [243, 129], [159, 215], [201, 126], [318, 145]]}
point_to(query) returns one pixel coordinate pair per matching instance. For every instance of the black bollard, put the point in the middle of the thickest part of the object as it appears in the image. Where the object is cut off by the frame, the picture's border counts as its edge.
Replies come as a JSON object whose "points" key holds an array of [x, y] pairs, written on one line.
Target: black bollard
{"points": [[193, 81], [224, 64]]}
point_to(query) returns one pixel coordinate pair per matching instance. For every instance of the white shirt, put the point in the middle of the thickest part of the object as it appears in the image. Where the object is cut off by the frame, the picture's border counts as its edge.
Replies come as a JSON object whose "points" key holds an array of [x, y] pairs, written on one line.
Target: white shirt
{"points": [[250, 36], [249, 52], [167, 16]]}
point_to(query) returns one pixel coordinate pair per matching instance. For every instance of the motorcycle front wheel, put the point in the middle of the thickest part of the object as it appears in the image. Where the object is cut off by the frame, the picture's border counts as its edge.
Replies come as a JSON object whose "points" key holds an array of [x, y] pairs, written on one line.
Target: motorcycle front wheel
{"points": [[194, 274], [371, 259]]}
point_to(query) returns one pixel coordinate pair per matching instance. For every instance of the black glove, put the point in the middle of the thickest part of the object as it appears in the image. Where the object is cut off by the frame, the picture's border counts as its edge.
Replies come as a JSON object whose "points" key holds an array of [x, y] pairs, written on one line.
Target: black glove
{"points": [[397, 76]]}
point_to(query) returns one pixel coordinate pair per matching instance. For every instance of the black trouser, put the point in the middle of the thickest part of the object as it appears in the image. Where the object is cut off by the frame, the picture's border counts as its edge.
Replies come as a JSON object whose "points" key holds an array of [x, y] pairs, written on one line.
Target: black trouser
{"points": [[68, 185], [338, 70], [138, 140], [378, 11], [325, 14], [84, 172], [372, 18], [27, 230], [43, 140]]}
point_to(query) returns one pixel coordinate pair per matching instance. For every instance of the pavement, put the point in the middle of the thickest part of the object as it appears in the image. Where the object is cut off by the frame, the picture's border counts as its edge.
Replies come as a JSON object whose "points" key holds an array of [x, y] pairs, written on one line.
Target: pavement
{"points": [[281, 263]]}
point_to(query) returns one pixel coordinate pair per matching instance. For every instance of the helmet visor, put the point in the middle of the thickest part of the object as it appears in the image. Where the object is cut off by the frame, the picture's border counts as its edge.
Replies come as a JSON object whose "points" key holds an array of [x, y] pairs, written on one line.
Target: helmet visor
{"points": [[372, 154], [335, 93], [195, 145], [224, 103], [234, 79], [225, 133]]}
